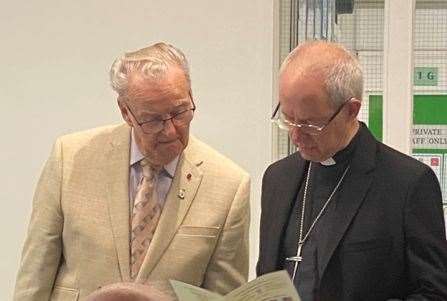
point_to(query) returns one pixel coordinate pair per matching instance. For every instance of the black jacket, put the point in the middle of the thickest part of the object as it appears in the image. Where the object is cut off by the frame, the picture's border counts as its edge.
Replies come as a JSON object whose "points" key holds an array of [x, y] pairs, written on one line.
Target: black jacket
{"points": [[388, 240]]}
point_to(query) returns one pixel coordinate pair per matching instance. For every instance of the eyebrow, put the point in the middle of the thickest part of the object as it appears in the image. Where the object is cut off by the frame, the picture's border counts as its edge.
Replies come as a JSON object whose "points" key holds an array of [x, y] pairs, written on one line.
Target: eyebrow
{"points": [[285, 115], [182, 105], [145, 113], [305, 121]]}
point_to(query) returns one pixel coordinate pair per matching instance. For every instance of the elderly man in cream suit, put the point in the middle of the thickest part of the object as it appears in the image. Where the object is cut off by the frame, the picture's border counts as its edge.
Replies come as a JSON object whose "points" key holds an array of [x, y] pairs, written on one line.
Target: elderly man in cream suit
{"points": [[86, 225]]}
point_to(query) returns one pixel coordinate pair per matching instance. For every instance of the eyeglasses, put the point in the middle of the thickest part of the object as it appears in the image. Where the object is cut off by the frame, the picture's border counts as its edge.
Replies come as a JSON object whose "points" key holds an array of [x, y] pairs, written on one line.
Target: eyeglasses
{"points": [[157, 124], [307, 128]]}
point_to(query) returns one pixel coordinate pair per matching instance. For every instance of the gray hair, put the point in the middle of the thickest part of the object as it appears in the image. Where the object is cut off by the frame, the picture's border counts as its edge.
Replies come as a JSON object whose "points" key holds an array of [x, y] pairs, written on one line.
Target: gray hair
{"points": [[343, 77], [151, 62]]}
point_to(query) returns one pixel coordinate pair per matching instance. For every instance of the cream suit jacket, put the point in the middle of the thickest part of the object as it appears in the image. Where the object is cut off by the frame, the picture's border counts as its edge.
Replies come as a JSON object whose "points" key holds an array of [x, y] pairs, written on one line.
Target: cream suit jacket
{"points": [[78, 236]]}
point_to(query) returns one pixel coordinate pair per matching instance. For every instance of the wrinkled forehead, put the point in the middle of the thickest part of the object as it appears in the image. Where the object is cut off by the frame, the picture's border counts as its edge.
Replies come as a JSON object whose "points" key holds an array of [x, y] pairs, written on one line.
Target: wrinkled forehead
{"points": [[173, 84], [300, 82], [303, 92]]}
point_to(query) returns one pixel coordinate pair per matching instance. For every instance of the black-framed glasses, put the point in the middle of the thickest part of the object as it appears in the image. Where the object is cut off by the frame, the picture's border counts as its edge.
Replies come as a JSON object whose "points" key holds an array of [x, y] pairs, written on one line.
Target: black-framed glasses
{"points": [[157, 124], [307, 128]]}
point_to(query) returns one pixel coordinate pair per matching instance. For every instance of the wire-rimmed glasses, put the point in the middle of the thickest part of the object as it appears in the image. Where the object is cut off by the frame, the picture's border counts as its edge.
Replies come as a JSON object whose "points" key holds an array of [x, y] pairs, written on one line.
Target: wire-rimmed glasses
{"points": [[157, 124], [307, 128]]}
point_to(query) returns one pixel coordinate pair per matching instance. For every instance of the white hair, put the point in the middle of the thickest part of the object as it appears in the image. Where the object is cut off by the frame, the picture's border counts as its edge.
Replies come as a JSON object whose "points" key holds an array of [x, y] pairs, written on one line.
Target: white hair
{"points": [[343, 77], [151, 62], [344, 81]]}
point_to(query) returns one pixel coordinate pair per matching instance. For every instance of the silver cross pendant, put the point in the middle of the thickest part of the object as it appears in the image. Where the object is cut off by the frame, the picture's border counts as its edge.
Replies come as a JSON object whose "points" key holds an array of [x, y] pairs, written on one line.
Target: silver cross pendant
{"points": [[298, 258]]}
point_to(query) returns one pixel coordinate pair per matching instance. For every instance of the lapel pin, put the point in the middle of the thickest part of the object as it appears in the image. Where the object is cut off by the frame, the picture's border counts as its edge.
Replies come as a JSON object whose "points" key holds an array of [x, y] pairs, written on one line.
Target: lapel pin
{"points": [[188, 176], [181, 194]]}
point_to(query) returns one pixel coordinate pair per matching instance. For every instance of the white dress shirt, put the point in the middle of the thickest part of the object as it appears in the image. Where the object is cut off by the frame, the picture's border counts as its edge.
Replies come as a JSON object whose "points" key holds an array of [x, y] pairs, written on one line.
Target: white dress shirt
{"points": [[164, 179]]}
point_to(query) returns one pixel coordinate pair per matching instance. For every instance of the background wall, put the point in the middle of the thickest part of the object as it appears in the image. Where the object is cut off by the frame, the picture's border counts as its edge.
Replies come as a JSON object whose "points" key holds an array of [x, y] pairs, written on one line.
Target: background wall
{"points": [[55, 57]]}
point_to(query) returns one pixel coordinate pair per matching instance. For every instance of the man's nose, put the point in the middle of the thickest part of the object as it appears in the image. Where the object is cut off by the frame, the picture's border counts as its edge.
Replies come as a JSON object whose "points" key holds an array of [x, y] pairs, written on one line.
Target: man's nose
{"points": [[169, 127], [297, 136]]}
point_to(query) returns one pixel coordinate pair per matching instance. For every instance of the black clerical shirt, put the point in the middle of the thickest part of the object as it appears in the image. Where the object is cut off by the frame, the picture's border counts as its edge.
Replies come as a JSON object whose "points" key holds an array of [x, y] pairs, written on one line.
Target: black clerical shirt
{"points": [[323, 179]]}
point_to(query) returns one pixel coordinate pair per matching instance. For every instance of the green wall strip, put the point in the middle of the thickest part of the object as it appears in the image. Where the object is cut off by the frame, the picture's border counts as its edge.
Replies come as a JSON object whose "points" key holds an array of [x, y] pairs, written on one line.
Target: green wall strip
{"points": [[375, 116], [429, 151]]}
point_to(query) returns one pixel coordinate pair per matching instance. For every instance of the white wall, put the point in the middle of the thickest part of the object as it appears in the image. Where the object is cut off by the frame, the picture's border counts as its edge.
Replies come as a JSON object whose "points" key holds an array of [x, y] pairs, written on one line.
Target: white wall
{"points": [[55, 57]]}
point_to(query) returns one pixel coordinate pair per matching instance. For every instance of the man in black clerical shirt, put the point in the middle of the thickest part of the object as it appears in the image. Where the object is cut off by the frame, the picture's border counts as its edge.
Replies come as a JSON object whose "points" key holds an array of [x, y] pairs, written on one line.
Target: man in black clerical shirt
{"points": [[348, 217]]}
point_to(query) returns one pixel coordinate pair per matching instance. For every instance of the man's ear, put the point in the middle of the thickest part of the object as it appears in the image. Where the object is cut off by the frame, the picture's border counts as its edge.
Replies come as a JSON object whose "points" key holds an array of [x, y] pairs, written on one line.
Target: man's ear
{"points": [[124, 111], [354, 107]]}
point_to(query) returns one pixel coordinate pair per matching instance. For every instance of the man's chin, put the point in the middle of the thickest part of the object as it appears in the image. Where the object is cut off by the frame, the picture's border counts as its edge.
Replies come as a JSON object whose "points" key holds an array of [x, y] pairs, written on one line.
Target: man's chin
{"points": [[309, 154], [168, 152], [164, 153], [172, 146], [164, 158]]}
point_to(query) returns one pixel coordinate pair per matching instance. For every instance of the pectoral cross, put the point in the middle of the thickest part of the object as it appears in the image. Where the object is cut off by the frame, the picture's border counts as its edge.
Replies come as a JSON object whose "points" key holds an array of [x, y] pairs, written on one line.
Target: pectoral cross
{"points": [[298, 258]]}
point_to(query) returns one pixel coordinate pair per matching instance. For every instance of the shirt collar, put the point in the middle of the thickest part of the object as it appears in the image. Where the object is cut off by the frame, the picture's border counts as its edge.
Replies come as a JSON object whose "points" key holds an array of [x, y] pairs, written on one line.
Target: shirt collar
{"points": [[171, 167], [137, 156], [344, 154], [328, 162]]}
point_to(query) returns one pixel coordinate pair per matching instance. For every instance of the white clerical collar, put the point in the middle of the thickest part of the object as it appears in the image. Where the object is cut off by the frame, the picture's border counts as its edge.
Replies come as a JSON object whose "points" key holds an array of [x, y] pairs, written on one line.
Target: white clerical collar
{"points": [[136, 156], [328, 162]]}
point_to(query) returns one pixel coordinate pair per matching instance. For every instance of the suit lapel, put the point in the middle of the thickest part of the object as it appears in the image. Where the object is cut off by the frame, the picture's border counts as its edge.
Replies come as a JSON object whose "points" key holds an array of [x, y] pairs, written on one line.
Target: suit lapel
{"points": [[352, 194], [279, 204], [116, 170], [186, 182]]}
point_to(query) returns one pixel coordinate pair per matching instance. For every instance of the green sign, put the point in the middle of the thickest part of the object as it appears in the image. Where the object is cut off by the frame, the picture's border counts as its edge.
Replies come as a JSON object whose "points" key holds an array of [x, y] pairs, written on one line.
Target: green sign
{"points": [[427, 110], [426, 76], [430, 109]]}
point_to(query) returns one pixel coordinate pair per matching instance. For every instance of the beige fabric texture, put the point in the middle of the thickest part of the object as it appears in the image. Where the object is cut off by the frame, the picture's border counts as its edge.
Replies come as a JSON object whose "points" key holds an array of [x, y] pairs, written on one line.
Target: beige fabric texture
{"points": [[129, 291], [78, 236]]}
